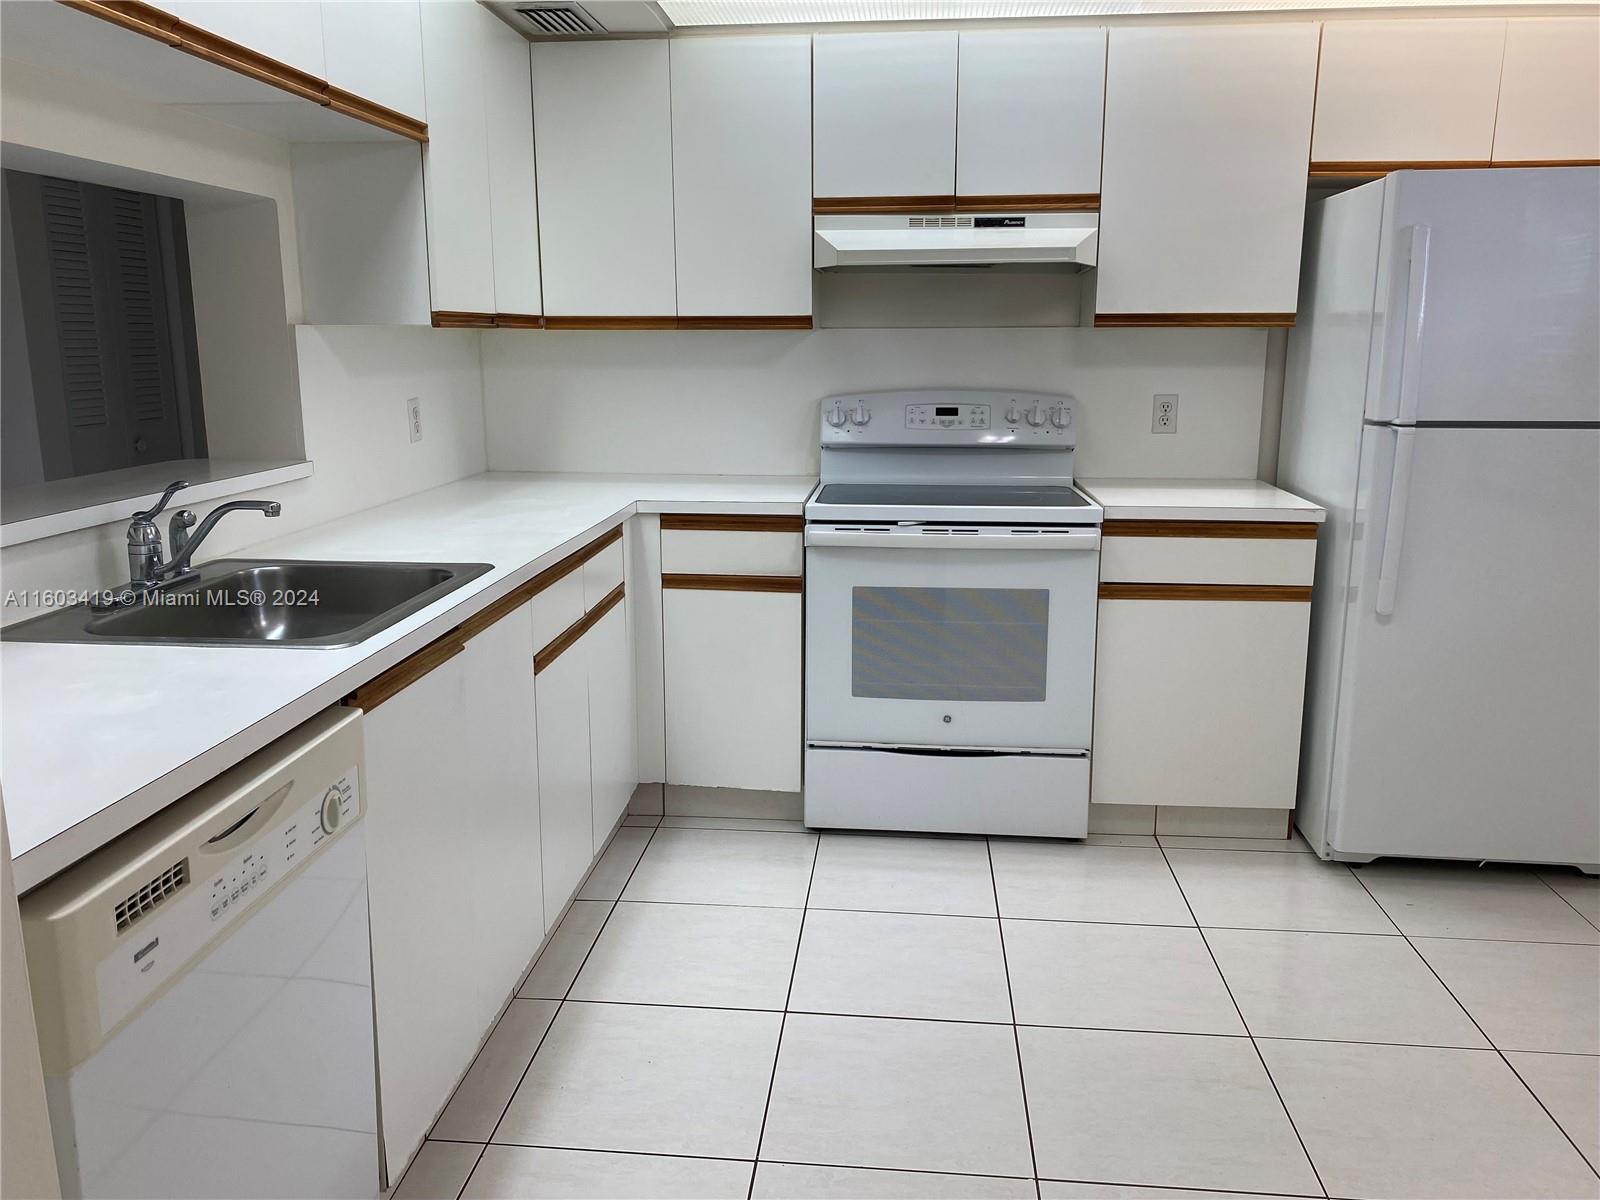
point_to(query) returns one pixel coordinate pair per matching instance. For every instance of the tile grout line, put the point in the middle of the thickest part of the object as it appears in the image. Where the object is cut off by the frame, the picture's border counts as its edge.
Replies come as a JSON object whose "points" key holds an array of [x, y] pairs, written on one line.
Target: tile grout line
{"points": [[560, 1003], [783, 1021], [1011, 1000], [1564, 899], [1254, 1045], [1493, 1045]]}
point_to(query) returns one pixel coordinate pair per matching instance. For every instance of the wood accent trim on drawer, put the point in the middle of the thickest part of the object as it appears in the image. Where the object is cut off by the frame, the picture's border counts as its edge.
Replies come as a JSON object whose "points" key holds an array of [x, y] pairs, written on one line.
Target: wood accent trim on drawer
{"points": [[1271, 592], [610, 322], [1194, 320], [406, 672], [149, 21], [518, 321], [862, 205], [733, 523], [501, 608], [797, 321], [1546, 162], [571, 562], [462, 320], [569, 638], [1031, 202], [1210, 529], [732, 583], [1372, 168]]}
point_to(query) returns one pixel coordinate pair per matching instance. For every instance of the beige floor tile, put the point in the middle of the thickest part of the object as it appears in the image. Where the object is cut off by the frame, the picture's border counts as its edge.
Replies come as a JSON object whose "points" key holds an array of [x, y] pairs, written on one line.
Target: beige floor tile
{"points": [[943, 876], [607, 877], [1059, 881], [485, 1091], [557, 965], [791, 1181], [1461, 901], [1050, 1189], [1525, 995], [1397, 1122], [1580, 891], [438, 1172], [1242, 889], [725, 866], [1568, 1085], [537, 1173]]}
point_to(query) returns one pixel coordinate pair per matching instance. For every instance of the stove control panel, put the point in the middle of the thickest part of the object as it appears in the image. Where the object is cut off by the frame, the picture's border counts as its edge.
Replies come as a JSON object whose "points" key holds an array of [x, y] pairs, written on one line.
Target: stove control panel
{"points": [[947, 416], [950, 417]]}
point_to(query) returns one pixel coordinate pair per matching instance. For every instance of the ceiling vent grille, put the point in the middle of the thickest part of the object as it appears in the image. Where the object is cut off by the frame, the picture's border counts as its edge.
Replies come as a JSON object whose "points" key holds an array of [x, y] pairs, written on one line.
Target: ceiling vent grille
{"points": [[152, 894], [939, 222], [560, 20]]}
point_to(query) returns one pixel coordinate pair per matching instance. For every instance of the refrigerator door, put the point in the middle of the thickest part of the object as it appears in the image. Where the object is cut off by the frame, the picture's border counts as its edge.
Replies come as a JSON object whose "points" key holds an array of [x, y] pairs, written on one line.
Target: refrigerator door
{"points": [[1487, 298], [1469, 691]]}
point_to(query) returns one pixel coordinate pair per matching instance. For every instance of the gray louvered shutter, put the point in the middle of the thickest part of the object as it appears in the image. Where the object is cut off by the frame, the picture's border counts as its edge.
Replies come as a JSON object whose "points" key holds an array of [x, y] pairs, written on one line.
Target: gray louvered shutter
{"points": [[144, 341]]}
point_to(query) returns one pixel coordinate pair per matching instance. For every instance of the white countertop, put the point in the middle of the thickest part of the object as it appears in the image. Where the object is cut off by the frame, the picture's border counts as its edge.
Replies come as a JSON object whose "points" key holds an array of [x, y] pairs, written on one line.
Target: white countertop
{"points": [[1198, 500], [96, 739]]}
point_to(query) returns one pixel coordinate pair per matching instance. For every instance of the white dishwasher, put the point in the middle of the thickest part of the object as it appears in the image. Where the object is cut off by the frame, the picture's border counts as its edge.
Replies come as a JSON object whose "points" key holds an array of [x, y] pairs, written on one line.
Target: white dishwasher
{"points": [[204, 988]]}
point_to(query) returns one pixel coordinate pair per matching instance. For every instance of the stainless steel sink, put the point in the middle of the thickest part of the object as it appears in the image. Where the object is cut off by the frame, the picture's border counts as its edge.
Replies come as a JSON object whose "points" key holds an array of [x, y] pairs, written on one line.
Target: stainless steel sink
{"points": [[245, 602]]}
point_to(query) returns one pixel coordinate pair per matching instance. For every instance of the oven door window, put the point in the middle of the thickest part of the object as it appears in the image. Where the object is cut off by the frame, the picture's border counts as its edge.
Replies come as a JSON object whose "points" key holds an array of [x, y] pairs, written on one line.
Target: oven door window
{"points": [[950, 644]]}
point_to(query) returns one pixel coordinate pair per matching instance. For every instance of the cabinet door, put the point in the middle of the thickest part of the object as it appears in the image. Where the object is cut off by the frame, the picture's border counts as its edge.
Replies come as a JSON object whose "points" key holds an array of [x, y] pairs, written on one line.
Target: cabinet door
{"points": [[287, 30], [565, 812], [1198, 702], [456, 161], [884, 112], [1549, 91], [1030, 113], [1408, 91], [613, 764], [603, 135], [732, 688], [1203, 188], [375, 51], [741, 175], [513, 198]]}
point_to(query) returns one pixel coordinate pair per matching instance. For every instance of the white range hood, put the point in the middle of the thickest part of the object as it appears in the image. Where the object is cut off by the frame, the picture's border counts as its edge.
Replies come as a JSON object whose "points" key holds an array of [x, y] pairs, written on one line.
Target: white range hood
{"points": [[1066, 239]]}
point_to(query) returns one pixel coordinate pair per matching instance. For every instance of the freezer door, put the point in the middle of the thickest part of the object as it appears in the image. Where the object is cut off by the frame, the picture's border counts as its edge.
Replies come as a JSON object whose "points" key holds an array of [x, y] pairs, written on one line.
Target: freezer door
{"points": [[1488, 297], [1470, 684]]}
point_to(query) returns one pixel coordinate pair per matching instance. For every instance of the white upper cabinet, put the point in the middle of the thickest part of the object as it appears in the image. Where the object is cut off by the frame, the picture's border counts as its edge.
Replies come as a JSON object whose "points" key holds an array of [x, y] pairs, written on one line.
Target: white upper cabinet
{"points": [[1031, 109], [741, 147], [885, 114], [1408, 91], [513, 198], [1204, 181], [375, 51], [456, 160], [1549, 91], [287, 30], [603, 135]]}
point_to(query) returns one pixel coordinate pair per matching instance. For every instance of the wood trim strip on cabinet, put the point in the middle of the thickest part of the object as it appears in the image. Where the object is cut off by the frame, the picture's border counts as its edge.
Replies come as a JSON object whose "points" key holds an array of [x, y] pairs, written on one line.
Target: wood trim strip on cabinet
{"points": [[733, 523], [1174, 320], [797, 321], [568, 638], [406, 672], [732, 583], [1376, 168], [462, 320], [861, 205], [1271, 592], [518, 321], [149, 21], [1031, 202], [1210, 529], [610, 322], [571, 562], [500, 609]]}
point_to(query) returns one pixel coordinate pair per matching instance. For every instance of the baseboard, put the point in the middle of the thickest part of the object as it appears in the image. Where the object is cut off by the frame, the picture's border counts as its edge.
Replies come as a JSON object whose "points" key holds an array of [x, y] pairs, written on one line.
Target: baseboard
{"points": [[687, 800]]}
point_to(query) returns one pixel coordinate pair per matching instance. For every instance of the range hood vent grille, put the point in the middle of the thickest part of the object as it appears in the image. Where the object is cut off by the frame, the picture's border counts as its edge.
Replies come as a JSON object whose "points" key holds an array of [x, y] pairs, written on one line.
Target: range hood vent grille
{"points": [[939, 222], [559, 20]]}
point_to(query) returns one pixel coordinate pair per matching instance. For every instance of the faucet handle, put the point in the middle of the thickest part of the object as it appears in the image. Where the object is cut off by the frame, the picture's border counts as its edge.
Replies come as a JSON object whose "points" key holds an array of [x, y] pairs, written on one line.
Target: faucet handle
{"points": [[173, 488], [178, 530]]}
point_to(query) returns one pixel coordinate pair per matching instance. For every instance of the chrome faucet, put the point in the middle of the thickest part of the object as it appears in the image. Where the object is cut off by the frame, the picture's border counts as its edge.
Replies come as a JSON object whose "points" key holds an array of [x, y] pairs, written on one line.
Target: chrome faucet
{"points": [[147, 567]]}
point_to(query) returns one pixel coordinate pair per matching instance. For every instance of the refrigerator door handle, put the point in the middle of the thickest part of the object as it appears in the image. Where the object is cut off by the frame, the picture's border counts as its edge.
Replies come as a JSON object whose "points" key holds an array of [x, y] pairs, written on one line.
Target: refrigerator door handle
{"points": [[1394, 526], [1416, 312]]}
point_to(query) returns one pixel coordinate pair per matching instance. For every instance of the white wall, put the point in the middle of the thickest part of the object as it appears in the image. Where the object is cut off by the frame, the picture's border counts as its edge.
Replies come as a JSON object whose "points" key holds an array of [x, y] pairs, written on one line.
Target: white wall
{"points": [[354, 382], [747, 403]]}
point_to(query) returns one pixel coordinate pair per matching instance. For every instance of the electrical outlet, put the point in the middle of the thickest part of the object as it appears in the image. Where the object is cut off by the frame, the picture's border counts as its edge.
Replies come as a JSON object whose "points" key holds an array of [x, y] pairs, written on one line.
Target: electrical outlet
{"points": [[414, 417], [1164, 414]]}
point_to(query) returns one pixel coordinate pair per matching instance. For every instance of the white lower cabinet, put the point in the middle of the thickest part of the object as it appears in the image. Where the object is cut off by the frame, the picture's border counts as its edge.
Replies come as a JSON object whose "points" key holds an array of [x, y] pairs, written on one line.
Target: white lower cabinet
{"points": [[613, 759], [565, 776], [453, 861], [733, 688]]}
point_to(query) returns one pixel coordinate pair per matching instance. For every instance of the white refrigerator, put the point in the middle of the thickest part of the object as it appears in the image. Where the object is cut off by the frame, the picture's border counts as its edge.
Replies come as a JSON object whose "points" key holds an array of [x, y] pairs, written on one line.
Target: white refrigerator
{"points": [[1442, 401]]}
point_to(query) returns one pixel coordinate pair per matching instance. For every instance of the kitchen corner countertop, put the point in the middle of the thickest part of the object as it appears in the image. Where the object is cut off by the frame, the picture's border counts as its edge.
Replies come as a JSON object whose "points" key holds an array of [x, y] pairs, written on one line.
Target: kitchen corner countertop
{"points": [[1198, 500], [98, 738]]}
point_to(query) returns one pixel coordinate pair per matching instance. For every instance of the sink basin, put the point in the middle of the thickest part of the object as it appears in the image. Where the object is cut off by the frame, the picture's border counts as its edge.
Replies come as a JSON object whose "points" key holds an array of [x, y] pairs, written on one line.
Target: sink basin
{"points": [[239, 602]]}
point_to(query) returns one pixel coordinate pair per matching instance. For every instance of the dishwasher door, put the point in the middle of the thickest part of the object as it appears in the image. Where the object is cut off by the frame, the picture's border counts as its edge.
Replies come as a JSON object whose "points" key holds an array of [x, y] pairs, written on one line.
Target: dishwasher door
{"points": [[204, 989]]}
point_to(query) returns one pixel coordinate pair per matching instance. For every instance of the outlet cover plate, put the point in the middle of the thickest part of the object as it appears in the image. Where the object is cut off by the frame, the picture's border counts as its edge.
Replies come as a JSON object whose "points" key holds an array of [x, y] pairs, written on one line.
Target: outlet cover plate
{"points": [[414, 417], [1164, 413]]}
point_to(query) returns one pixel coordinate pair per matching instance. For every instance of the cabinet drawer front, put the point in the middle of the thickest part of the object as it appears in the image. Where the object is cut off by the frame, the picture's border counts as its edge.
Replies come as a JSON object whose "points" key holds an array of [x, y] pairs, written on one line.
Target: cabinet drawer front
{"points": [[557, 607], [730, 552], [1199, 702], [601, 574], [1207, 560]]}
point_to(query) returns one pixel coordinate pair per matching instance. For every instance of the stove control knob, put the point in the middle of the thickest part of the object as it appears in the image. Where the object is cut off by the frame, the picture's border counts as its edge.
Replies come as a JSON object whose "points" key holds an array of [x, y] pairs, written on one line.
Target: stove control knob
{"points": [[861, 415], [1060, 416], [1013, 414], [1036, 415], [837, 416]]}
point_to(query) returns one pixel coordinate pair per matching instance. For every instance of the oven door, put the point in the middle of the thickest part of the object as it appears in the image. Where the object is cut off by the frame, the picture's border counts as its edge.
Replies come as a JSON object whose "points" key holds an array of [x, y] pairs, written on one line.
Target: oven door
{"points": [[969, 637]]}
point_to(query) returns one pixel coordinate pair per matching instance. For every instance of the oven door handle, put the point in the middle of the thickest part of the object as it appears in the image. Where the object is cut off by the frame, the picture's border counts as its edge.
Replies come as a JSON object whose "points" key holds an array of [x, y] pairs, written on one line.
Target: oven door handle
{"points": [[912, 537]]}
